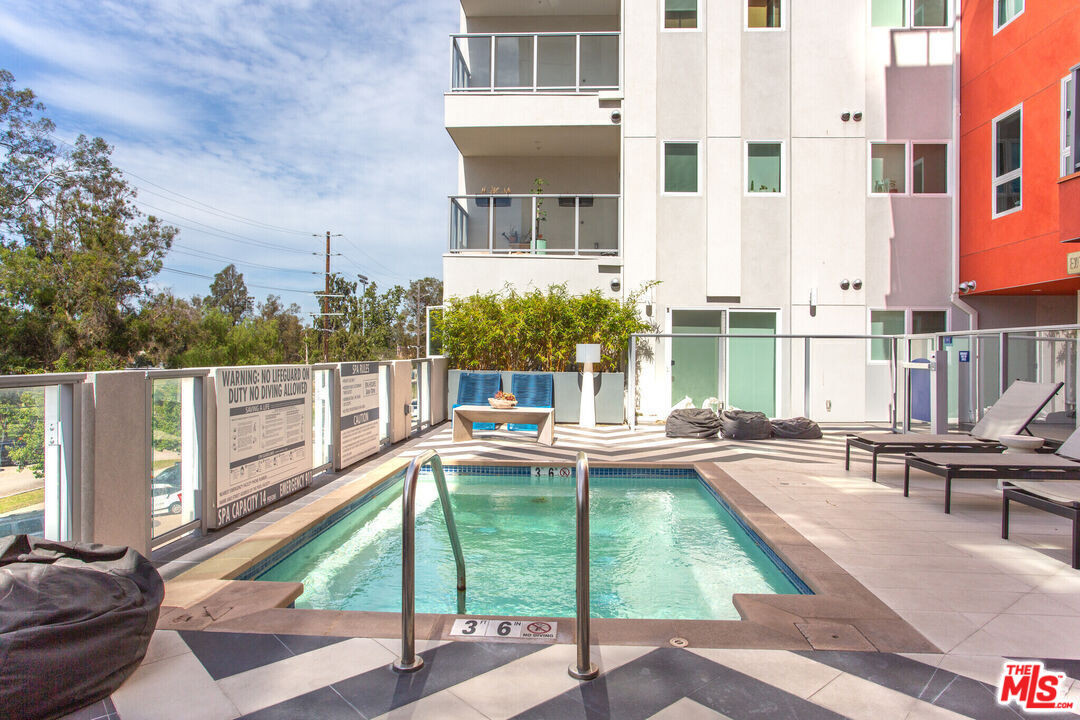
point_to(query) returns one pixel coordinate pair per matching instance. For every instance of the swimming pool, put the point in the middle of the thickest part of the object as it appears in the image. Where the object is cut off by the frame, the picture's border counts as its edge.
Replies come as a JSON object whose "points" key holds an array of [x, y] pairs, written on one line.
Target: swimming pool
{"points": [[663, 545]]}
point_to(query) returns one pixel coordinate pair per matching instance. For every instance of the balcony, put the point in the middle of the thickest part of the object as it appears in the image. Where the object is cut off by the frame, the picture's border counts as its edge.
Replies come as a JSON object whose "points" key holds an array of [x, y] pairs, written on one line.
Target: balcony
{"points": [[537, 62], [534, 94], [535, 225]]}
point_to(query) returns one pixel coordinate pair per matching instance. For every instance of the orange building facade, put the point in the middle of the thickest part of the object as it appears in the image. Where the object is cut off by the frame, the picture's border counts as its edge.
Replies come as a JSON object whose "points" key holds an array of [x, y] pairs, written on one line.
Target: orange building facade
{"points": [[1019, 192]]}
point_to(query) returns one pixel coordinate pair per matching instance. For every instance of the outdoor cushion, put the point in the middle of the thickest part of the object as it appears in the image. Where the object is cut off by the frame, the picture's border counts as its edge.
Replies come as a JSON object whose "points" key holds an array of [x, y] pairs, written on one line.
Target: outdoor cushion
{"points": [[75, 622], [692, 423], [798, 428], [474, 388], [532, 390], [745, 425]]}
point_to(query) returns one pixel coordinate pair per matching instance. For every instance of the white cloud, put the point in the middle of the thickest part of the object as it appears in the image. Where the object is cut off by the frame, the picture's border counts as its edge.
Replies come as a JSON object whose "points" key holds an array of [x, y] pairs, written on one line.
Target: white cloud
{"points": [[309, 114]]}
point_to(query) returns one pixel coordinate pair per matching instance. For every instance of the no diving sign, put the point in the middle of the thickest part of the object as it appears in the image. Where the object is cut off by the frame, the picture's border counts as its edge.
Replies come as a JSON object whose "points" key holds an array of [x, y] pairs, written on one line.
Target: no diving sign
{"points": [[520, 629]]}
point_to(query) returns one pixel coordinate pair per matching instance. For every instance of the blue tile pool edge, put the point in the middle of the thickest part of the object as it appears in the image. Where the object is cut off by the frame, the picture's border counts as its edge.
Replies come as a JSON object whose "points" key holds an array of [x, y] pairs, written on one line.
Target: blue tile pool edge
{"points": [[294, 544]]}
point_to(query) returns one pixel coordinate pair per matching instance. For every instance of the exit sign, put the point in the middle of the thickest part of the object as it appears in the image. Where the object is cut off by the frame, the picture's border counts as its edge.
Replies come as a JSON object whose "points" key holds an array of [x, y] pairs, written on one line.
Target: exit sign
{"points": [[1073, 259]]}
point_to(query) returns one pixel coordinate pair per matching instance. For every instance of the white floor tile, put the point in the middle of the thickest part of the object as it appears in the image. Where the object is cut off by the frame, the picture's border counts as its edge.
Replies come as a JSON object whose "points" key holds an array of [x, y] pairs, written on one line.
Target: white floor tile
{"points": [[270, 684], [439, 706], [790, 672], [165, 644], [174, 688], [687, 709]]}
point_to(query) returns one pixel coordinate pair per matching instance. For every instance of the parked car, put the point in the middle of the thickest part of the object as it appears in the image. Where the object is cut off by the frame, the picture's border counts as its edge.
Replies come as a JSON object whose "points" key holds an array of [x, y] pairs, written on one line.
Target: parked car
{"points": [[166, 499], [168, 476]]}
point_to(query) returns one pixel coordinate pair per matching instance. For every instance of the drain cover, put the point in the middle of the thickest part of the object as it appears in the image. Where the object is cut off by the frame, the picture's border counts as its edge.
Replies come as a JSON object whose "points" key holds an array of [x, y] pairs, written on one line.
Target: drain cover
{"points": [[679, 642]]}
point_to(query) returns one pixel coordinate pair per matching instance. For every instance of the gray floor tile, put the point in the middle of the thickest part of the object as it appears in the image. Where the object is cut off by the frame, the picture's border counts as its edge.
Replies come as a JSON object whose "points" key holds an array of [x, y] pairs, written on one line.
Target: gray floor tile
{"points": [[740, 696], [321, 704], [225, 653]]}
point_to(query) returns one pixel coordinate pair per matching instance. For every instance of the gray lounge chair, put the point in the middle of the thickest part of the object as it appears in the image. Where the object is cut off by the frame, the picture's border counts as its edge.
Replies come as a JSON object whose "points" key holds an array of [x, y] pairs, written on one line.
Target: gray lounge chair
{"points": [[1063, 464], [1061, 498], [1010, 415]]}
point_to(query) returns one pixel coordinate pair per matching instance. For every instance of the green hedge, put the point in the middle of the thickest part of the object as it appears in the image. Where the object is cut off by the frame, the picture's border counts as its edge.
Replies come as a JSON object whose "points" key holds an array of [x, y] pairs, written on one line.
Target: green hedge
{"points": [[537, 330]]}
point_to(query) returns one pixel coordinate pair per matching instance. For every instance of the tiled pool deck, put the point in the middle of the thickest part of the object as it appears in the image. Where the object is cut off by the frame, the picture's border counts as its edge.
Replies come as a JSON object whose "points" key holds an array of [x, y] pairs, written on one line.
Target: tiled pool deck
{"points": [[975, 597]]}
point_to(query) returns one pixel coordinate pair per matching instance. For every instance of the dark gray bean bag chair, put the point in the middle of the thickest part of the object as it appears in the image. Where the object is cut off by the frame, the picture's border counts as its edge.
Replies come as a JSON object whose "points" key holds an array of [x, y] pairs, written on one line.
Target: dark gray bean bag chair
{"points": [[798, 428], [692, 423], [745, 425], [75, 622]]}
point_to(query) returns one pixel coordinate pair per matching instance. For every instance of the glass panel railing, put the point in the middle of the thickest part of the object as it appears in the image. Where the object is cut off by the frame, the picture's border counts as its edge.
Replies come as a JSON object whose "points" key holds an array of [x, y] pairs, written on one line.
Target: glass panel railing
{"points": [[555, 62], [598, 225], [599, 62], [513, 223], [170, 506], [322, 450], [472, 63], [514, 62], [469, 229], [22, 461], [545, 62], [536, 224], [384, 405]]}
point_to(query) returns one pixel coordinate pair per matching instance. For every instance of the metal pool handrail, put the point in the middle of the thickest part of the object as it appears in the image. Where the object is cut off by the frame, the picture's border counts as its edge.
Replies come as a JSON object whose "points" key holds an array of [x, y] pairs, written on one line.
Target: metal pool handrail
{"points": [[409, 660], [584, 668]]}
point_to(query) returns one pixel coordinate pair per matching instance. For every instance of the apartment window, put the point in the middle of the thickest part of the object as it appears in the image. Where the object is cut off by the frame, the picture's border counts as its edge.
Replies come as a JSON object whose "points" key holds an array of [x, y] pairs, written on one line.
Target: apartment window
{"points": [[885, 322], [1007, 10], [680, 14], [680, 167], [887, 13], [1070, 123], [929, 168], [764, 167], [1007, 161], [930, 13], [924, 13], [763, 14], [924, 322], [887, 165]]}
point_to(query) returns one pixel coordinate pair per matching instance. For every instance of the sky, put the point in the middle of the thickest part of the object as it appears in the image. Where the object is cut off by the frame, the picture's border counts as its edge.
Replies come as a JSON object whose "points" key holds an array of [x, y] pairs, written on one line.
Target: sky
{"points": [[253, 126]]}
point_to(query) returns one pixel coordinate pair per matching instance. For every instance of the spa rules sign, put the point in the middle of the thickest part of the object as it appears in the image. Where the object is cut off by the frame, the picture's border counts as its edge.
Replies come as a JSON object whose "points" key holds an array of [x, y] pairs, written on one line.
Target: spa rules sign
{"points": [[263, 437], [358, 413]]}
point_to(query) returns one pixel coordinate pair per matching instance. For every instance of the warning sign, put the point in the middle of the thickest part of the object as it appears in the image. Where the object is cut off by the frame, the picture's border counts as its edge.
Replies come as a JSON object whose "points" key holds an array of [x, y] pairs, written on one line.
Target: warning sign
{"points": [[523, 629]]}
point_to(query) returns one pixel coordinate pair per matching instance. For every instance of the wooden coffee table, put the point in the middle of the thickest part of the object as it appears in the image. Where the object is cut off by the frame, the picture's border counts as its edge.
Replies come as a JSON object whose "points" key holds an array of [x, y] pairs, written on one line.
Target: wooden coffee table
{"points": [[466, 415]]}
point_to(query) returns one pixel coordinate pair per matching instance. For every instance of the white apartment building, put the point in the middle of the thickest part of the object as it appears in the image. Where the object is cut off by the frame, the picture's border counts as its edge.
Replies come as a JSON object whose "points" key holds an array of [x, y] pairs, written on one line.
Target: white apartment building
{"points": [[780, 166]]}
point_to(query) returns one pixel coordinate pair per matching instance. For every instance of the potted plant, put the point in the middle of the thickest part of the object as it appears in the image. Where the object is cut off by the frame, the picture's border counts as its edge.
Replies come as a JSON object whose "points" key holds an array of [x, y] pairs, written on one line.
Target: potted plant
{"points": [[502, 400]]}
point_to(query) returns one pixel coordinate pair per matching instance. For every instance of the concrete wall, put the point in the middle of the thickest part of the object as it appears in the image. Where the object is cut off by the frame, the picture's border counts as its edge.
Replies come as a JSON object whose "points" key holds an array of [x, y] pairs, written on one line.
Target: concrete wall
{"points": [[466, 274], [439, 367], [400, 396], [120, 458]]}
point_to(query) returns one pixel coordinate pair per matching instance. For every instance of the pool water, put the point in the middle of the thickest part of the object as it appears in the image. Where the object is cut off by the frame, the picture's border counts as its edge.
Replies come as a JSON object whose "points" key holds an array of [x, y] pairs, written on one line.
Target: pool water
{"points": [[661, 547]]}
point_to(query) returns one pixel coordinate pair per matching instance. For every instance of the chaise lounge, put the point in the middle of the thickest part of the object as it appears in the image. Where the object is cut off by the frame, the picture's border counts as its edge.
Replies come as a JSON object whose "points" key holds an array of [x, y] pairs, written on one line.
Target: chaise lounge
{"points": [[1063, 464], [1010, 415], [1060, 498]]}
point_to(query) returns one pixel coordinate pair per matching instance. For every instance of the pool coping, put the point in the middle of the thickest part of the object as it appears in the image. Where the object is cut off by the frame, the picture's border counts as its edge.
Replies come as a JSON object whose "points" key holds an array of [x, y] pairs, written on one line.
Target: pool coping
{"points": [[842, 614]]}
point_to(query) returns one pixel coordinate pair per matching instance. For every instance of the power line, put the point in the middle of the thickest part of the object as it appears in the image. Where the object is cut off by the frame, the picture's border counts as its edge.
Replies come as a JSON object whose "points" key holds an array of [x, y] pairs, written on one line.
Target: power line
{"points": [[253, 285], [184, 250], [211, 208], [227, 235], [356, 247]]}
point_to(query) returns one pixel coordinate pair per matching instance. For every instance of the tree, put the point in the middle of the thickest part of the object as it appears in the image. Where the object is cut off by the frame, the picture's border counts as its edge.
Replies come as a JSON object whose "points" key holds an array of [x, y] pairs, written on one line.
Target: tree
{"points": [[228, 293], [76, 255], [22, 423], [422, 293]]}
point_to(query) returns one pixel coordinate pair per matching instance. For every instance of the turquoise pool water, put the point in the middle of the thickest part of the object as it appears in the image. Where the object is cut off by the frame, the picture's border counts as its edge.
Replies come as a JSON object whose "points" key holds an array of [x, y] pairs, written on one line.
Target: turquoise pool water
{"points": [[661, 547]]}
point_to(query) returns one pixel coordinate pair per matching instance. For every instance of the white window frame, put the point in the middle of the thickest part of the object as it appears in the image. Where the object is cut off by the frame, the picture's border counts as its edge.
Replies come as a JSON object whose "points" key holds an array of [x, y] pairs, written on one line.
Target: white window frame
{"points": [[746, 169], [909, 17], [700, 19], [663, 168], [870, 169], [998, 28], [1067, 153], [948, 171], [995, 181], [908, 314], [783, 18]]}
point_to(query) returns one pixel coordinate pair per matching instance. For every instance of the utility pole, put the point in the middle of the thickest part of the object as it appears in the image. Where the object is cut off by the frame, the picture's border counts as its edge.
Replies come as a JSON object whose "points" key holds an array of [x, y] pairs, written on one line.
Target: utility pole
{"points": [[417, 319], [326, 306]]}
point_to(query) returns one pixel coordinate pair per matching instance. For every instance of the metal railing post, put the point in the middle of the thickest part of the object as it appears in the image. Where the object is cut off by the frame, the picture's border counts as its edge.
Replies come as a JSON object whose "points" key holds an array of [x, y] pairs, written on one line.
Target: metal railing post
{"points": [[409, 660], [1003, 361], [806, 377], [894, 366], [584, 668], [631, 383]]}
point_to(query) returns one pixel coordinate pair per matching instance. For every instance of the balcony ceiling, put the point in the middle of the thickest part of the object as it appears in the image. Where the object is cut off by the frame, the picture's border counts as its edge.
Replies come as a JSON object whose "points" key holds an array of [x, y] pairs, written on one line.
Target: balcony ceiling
{"points": [[537, 141], [515, 8]]}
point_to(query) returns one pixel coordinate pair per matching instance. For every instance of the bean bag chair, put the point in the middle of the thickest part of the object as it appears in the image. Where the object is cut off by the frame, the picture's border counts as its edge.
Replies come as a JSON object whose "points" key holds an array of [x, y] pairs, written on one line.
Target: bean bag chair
{"points": [[745, 425], [75, 622], [692, 423], [798, 428]]}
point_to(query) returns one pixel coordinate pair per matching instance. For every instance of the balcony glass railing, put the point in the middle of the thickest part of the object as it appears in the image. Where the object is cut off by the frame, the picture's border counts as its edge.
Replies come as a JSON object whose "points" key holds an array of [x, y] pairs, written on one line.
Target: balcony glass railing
{"points": [[535, 224], [536, 62]]}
